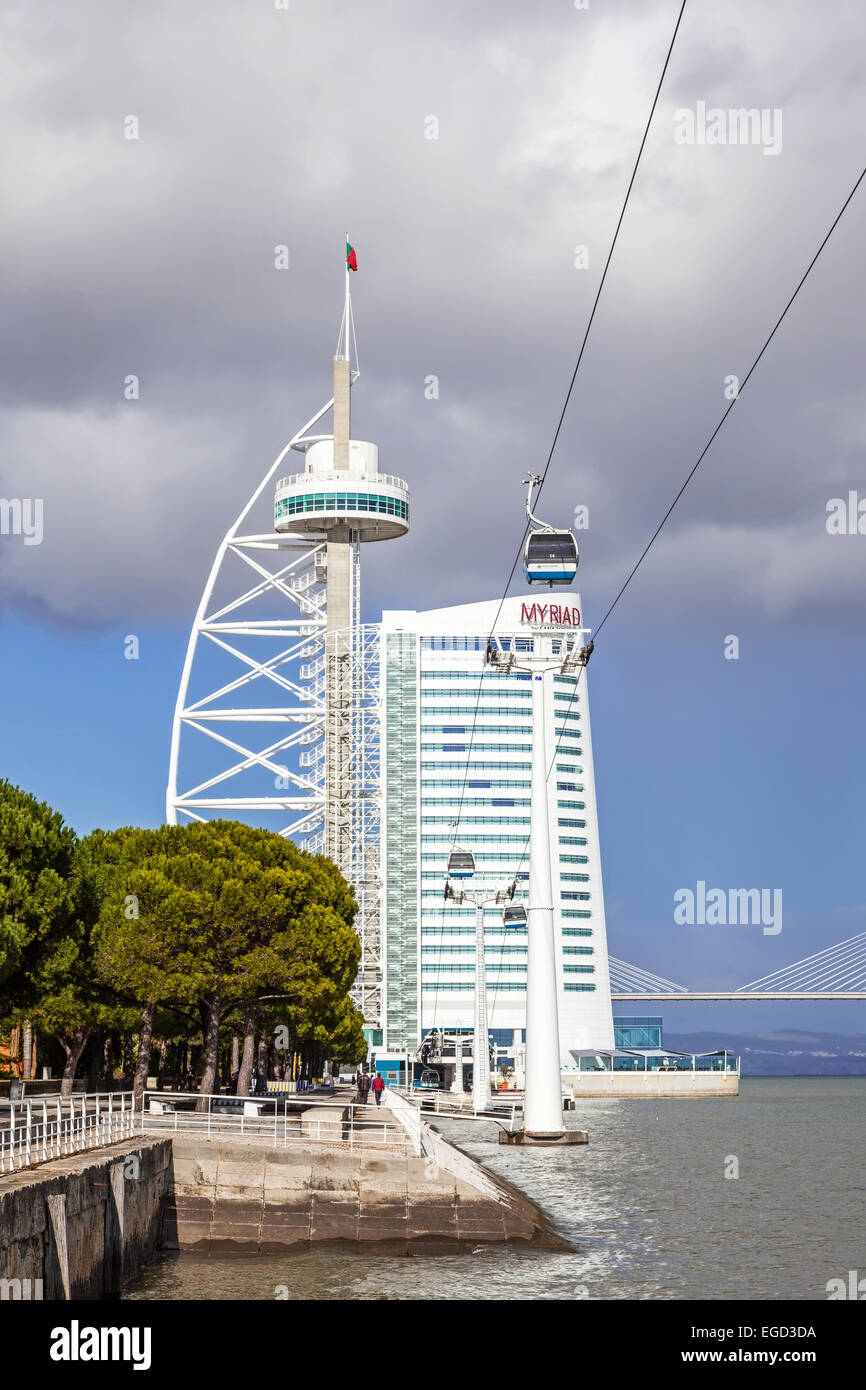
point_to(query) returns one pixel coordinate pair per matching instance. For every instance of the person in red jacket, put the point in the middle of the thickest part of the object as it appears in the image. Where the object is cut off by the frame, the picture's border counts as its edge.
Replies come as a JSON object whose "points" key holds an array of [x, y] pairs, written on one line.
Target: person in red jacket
{"points": [[377, 1088]]}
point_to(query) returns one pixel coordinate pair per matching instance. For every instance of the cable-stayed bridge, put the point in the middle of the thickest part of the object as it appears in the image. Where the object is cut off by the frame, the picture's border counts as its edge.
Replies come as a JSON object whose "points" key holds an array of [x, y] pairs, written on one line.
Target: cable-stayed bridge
{"points": [[839, 972]]}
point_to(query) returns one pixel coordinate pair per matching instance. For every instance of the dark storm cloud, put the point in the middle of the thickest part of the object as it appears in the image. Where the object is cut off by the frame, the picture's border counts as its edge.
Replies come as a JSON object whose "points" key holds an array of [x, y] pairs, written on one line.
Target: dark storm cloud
{"points": [[260, 127]]}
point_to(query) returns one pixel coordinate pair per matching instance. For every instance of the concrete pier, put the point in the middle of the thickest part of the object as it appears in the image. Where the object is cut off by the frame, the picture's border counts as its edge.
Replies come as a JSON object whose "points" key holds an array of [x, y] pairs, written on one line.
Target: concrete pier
{"points": [[234, 1195]]}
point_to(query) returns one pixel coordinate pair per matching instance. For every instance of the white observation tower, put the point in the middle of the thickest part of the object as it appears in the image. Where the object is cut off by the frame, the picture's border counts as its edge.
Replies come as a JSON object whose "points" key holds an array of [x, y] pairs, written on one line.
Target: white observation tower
{"points": [[293, 623]]}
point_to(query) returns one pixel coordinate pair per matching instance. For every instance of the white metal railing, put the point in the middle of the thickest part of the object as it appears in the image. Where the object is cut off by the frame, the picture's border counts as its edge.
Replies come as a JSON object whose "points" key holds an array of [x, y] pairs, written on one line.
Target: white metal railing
{"points": [[445, 1103], [350, 1126], [46, 1127], [351, 480]]}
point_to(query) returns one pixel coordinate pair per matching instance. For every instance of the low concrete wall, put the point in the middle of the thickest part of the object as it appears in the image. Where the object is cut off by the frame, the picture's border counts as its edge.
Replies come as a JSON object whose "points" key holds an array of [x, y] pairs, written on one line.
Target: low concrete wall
{"points": [[84, 1224], [231, 1194], [673, 1085]]}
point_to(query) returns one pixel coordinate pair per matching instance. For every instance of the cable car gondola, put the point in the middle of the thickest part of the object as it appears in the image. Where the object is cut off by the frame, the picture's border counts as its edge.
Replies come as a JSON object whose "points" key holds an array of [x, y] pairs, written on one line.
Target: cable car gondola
{"points": [[461, 863], [514, 916], [549, 556]]}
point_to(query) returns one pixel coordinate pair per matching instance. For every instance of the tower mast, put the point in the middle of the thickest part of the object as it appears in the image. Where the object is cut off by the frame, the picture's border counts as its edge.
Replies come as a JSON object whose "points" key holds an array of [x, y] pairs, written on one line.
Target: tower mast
{"points": [[342, 541]]}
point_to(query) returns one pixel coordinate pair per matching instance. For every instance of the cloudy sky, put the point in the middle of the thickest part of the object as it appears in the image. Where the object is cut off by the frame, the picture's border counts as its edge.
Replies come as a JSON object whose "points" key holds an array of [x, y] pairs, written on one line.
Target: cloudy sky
{"points": [[260, 127]]}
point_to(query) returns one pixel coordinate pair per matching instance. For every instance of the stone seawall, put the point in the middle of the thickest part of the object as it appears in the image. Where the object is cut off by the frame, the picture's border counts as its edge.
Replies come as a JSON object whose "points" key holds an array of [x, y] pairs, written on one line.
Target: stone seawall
{"points": [[673, 1085], [84, 1224], [249, 1195]]}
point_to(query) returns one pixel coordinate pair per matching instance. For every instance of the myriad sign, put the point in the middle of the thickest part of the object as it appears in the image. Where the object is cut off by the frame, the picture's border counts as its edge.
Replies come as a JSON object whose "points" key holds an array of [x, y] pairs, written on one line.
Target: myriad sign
{"points": [[557, 614]]}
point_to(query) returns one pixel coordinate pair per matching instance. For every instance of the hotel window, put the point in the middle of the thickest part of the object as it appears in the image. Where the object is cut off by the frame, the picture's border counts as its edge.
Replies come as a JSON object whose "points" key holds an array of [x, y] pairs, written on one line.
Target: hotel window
{"points": [[566, 950], [493, 801], [575, 912], [476, 820], [575, 824], [574, 988], [577, 931], [573, 859], [571, 840], [575, 897], [437, 675], [479, 748], [570, 878], [485, 729], [501, 839], [571, 805]]}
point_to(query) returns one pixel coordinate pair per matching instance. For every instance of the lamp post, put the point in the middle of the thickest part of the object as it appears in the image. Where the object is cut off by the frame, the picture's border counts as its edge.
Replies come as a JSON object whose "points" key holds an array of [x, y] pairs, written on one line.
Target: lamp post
{"points": [[482, 897]]}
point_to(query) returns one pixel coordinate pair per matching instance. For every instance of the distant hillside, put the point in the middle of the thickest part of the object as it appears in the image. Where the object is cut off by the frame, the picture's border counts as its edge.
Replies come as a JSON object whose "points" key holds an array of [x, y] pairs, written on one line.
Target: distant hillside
{"points": [[784, 1053]]}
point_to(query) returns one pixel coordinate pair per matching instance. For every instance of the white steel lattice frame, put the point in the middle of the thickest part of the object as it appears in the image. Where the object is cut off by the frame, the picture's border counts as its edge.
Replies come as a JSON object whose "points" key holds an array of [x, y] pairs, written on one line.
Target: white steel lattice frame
{"points": [[299, 582]]}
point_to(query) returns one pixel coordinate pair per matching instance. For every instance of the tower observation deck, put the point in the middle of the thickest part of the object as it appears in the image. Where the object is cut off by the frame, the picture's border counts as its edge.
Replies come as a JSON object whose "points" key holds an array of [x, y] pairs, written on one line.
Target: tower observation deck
{"points": [[292, 625]]}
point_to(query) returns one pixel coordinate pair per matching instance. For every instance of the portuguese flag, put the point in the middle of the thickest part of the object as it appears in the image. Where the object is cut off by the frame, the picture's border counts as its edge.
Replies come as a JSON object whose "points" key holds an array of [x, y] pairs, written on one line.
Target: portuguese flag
{"points": [[351, 258]]}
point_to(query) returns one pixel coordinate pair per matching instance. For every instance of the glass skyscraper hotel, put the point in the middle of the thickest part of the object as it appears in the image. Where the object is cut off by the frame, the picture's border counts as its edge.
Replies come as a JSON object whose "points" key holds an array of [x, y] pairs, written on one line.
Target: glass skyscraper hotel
{"points": [[436, 771]]}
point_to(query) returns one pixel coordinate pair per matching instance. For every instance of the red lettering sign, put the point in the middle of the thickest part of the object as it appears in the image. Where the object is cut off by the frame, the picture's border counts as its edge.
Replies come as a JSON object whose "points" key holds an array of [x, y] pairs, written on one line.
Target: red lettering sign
{"points": [[551, 613]]}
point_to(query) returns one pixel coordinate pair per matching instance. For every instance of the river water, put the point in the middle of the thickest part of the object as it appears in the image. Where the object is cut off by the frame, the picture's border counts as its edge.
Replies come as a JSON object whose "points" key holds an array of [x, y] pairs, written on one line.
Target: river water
{"points": [[646, 1208]]}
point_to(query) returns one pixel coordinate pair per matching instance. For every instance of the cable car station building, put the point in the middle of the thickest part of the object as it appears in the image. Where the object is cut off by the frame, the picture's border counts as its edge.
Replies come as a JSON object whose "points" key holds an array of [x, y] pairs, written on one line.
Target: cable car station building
{"points": [[445, 786]]}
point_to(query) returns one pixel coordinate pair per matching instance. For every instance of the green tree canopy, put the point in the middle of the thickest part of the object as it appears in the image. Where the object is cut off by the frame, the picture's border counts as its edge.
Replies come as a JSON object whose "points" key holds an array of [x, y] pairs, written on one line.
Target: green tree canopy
{"points": [[225, 915], [36, 853]]}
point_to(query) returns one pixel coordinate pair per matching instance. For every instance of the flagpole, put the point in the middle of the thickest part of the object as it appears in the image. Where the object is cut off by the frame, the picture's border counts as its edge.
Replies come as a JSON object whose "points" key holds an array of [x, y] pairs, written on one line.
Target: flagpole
{"points": [[348, 357]]}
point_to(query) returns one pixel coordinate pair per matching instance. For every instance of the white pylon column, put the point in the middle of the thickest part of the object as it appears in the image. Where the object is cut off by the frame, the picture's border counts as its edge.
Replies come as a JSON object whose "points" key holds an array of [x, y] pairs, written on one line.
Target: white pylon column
{"points": [[542, 1105], [457, 1083], [481, 1094]]}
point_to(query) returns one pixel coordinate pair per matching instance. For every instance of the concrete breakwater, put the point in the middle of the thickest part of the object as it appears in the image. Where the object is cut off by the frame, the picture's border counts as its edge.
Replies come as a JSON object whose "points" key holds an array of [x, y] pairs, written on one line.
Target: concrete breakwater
{"points": [[231, 1194], [81, 1226]]}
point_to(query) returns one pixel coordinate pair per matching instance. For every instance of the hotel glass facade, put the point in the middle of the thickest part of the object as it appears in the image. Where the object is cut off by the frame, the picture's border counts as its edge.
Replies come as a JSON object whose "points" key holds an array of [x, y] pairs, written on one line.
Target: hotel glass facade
{"points": [[435, 686]]}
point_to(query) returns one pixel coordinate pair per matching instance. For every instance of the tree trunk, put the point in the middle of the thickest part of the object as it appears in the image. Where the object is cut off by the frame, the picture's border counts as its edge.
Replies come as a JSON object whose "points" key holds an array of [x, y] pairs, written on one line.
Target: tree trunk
{"points": [[160, 1076], [128, 1061], [73, 1046], [211, 1050], [145, 1040], [27, 1064], [261, 1058], [246, 1068], [236, 1054], [108, 1062]]}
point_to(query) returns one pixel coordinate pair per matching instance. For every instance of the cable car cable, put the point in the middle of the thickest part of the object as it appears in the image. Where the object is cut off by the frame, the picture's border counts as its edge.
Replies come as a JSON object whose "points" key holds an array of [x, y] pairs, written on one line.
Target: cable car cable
{"points": [[702, 455], [700, 459], [731, 405], [579, 357], [557, 434]]}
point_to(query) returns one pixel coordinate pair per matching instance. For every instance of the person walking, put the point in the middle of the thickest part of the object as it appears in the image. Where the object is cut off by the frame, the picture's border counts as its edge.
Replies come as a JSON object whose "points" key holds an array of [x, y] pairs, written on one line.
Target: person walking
{"points": [[363, 1088], [377, 1088]]}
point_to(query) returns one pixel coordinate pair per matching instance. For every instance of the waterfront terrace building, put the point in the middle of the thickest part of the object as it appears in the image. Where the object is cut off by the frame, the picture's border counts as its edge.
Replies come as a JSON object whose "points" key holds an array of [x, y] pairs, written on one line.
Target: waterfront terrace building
{"points": [[435, 769]]}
